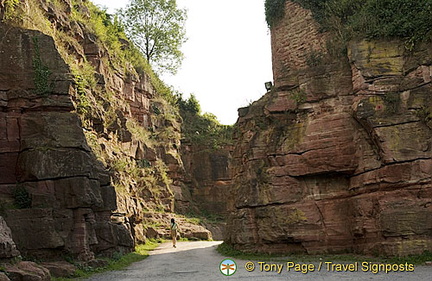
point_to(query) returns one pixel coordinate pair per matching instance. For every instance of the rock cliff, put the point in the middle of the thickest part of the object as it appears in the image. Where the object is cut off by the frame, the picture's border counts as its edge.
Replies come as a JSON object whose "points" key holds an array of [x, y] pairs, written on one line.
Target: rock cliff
{"points": [[210, 177], [83, 133], [208, 184], [51, 183], [337, 157]]}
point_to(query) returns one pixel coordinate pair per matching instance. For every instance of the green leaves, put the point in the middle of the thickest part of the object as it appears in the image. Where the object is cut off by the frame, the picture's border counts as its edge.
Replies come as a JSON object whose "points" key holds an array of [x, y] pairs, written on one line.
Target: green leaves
{"points": [[190, 105], [410, 20], [274, 11], [157, 29], [42, 72], [202, 129], [22, 198], [394, 18]]}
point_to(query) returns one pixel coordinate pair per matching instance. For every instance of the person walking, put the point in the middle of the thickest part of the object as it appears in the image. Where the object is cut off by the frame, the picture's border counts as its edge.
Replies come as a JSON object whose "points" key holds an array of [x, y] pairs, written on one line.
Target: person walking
{"points": [[174, 229]]}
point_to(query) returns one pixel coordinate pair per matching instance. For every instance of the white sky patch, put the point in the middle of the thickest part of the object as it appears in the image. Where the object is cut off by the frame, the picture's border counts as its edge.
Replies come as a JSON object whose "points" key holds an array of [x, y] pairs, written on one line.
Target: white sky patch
{"points": [[227, 57]]}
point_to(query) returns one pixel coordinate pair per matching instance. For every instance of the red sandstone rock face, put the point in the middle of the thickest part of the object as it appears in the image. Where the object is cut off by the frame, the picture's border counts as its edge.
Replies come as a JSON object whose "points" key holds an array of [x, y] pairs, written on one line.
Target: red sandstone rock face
{"points": [[210, 178], [338, 158], [45, 156], [208, 184], [43, 150]]}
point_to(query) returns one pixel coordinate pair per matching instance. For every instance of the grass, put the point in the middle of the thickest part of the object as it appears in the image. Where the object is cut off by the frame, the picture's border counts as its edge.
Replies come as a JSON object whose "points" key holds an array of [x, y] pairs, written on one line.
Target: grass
{"points": [[203, 217], [414, 259], [141, 253], [228, 251]]}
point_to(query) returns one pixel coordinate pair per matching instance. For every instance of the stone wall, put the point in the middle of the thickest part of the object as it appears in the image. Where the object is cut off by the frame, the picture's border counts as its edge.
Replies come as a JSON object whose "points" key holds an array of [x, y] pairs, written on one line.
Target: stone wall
{"points": [[337, 158], [293, 40]]}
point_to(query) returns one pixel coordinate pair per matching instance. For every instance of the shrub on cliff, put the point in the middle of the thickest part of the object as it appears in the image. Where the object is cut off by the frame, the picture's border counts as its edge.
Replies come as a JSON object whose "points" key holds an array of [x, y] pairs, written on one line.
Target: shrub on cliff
{"points": [[410, 20], [202, 129], [274, 10], [407, 19]]}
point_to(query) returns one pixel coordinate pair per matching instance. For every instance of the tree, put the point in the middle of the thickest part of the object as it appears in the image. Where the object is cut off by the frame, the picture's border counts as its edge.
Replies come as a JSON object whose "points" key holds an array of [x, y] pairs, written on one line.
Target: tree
{"points": [[190, 105], [157, 29]]}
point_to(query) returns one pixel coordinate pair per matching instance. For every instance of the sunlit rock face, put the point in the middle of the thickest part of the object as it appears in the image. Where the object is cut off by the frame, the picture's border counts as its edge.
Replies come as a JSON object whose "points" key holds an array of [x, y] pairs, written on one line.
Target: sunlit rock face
{"points": [[74, 152], [337, 158], [51, 185]]}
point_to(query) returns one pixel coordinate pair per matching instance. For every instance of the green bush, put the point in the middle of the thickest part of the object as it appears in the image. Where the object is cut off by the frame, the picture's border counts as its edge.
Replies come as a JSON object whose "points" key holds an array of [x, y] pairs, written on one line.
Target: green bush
{"points": [[190, 105], [394, 18], [274, 11], [410, 20], [202, 129]]}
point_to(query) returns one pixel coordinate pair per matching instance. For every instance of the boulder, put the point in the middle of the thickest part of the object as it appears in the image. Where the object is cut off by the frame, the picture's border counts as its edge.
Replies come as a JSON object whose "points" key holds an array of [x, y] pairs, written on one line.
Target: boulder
{"points": [[60, 268], [7, 245], [28, 271], [3, 277], [97, 263], [152, 233]]}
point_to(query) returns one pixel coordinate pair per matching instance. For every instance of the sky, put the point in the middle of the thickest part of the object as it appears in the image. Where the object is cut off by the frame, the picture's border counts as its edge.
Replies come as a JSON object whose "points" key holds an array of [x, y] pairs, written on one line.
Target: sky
{"points": [[227, 55]]}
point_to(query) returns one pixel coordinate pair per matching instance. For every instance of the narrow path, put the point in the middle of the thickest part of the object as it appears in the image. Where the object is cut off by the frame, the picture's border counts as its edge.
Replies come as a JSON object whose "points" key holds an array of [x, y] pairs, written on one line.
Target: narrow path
{"points": [[199, 261]]}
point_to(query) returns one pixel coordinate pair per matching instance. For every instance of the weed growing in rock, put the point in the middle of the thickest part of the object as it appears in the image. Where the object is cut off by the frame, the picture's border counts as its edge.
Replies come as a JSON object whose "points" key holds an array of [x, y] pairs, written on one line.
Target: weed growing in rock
{"points": [[425, 115], [392, 102], [298, 96], [42, 72], [21, 197]]}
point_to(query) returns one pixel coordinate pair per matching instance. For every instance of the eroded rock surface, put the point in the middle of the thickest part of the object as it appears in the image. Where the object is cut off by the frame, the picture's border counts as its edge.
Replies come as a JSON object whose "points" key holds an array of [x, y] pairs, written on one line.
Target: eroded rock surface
{"points": [[60, 268], [209, 177], [7, 245], [27, 270], [337, 158], [83, 133], [51, 184]]}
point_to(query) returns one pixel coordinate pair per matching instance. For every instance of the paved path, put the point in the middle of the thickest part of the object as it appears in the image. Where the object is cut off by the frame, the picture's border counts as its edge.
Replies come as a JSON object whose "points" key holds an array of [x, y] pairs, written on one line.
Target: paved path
{"points": [[199, 261]]}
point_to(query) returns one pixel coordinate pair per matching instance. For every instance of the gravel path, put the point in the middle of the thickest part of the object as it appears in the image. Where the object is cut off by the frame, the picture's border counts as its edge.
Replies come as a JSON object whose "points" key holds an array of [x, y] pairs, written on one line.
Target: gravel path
{"points": [[199, 261]]}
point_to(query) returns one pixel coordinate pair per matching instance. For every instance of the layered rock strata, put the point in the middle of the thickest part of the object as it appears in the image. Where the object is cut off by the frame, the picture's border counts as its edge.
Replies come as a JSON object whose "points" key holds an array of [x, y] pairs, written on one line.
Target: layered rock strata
{"points": [[83, 133], [50, 181], [207, 184], [209, 177], [337, 157]]}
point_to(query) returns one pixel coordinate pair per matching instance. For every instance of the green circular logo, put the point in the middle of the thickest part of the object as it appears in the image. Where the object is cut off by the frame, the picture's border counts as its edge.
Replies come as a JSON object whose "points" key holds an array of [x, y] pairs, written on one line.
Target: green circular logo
{"points": [[228, 267]]}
